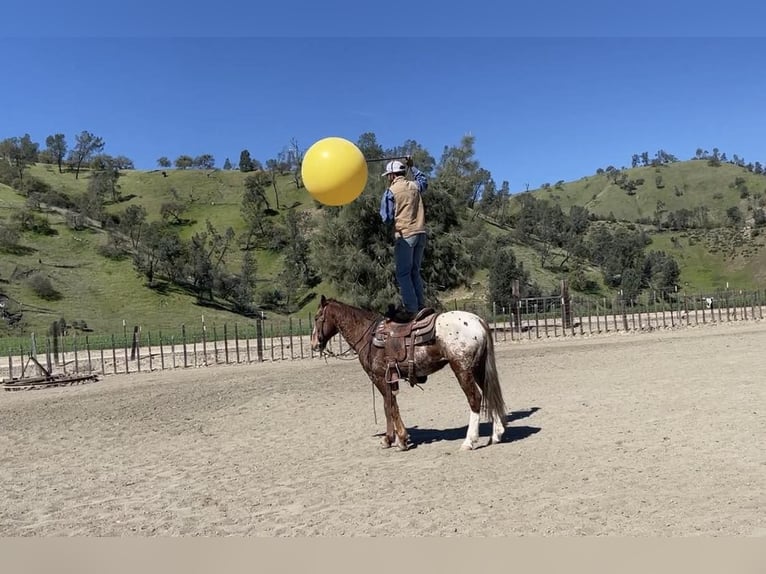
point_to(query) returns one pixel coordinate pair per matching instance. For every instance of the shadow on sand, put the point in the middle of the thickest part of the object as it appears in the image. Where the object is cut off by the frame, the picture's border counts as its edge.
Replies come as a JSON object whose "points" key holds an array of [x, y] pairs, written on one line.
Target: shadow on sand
{"points": [[512, 433]]}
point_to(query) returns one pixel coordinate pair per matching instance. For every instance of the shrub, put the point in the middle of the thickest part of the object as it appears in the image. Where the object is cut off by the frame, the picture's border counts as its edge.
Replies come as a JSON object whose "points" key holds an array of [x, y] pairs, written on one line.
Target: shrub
{"points": [[43, 287]]}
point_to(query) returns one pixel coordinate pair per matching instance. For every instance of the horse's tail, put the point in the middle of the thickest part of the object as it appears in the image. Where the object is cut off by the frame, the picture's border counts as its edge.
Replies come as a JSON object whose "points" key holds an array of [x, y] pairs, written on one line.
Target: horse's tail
{"points": [[492, 402]]}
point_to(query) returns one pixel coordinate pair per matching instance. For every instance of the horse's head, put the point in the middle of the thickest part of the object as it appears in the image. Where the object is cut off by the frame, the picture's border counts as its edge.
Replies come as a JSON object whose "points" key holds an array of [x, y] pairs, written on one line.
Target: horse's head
{"points": [[324, 326]]}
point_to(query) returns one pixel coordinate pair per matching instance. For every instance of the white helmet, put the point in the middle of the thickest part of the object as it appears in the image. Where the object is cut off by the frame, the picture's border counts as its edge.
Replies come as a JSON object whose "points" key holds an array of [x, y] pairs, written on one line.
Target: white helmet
{"points": [[395, 167]]}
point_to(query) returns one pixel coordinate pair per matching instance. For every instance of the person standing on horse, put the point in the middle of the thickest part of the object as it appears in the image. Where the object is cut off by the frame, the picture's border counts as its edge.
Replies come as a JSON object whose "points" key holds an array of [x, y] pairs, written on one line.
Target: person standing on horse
{"points": [[402, 205]]}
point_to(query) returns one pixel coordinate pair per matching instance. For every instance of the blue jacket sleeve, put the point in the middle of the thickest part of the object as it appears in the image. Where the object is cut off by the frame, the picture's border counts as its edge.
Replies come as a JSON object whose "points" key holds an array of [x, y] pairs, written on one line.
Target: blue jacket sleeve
{"points": [[387, 206], [420, 179]]}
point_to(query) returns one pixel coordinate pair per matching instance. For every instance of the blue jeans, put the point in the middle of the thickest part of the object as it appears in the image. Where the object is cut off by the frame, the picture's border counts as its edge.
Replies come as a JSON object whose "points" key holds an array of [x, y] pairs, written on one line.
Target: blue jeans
{"points": [[408, 255]]}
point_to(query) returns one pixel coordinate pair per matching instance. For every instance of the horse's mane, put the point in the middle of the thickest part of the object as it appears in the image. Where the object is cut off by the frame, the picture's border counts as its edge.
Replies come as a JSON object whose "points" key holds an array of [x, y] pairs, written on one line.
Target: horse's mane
{"points": [[366, 313]]}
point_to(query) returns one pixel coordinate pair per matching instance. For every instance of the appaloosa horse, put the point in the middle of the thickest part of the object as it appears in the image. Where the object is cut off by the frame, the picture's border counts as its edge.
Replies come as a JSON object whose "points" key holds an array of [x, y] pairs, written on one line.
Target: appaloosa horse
{"points": [[459, 339]]}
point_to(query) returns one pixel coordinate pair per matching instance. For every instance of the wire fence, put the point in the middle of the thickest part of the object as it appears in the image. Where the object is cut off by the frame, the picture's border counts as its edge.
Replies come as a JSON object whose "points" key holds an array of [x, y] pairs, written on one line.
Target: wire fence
{"points": [[138, 349]]}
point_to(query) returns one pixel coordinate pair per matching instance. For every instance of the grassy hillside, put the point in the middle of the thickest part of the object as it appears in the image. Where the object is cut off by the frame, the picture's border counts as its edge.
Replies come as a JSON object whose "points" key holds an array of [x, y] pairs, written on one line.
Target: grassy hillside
{"points": [[102, 292], [688, 184]]}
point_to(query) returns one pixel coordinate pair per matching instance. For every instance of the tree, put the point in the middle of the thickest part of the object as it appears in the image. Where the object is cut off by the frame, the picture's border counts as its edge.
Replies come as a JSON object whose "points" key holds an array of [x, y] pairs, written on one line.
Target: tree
{"points": [[255, 208], [184, 162], [206, 255], [244, 286], [616, 251], [160, 251], [227, 164], [103, 181], [86, 145], [297, 162], [245, 161], [19, 153], [734, 216], [164, 162], [272, 166], [204, 161], [458, 172], [369, 146], [504, 269], [174, 209], [298, 269], [132, 224], [57, 148], [660, 271]]}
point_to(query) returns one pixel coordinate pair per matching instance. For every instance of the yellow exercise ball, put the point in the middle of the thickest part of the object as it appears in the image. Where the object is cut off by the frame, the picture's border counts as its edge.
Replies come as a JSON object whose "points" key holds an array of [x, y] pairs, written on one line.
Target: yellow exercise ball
{"points": [[334, 171]]}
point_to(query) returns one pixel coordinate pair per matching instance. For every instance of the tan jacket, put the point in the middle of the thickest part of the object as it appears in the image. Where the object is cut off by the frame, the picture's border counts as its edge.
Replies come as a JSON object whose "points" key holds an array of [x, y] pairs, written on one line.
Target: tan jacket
{"points": [[409, 215]]}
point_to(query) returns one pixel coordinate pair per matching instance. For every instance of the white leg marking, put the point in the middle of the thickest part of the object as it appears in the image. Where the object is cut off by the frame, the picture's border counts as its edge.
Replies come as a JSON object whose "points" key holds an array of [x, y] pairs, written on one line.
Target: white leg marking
{"points": [[472, 436], [498, 429]]}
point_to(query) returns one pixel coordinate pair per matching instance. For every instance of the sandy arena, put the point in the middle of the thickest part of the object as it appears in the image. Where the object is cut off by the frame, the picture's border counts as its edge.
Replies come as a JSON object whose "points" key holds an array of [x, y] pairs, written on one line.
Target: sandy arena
{"points": [[658, 434]]}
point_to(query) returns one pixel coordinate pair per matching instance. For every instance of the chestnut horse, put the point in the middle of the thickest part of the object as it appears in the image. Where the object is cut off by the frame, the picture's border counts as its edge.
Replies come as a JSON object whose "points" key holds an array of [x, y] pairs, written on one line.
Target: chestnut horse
{"points": [[462, 340]]}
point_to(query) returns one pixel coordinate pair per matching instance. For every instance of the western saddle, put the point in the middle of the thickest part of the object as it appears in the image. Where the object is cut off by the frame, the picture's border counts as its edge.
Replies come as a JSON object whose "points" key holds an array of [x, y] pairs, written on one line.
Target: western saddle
{"points": [[398, 341]]}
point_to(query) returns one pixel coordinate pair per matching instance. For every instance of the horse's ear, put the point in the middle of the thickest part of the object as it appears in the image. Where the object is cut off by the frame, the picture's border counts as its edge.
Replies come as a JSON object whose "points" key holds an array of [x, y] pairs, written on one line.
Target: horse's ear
{"points": [[322, 301]]}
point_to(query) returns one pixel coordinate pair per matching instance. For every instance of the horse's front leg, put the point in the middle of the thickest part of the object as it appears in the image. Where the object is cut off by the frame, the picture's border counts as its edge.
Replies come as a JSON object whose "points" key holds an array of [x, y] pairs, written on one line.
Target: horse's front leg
{"points": [[388, 438], [396, 432], [402, 437]]}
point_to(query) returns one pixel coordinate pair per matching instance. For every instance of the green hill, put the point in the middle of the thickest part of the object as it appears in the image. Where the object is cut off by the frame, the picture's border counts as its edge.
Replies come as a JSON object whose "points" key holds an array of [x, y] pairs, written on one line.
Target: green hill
{"points": [[102, 292], [663, 189]]}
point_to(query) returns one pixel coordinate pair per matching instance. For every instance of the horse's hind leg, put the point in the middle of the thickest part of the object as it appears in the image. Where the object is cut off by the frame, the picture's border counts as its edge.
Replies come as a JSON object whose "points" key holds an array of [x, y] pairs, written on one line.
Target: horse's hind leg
{"points": [[498, 429], [471, 390]]}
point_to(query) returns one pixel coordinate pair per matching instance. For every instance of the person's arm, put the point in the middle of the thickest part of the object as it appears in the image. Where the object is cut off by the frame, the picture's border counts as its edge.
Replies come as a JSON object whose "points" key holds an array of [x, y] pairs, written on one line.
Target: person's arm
{"points": [[387, 206], [420, 179]]}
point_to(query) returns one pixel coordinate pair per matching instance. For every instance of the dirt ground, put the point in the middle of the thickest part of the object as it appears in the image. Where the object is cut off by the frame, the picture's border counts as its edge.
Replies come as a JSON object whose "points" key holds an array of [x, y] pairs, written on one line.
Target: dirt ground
{"points": [[658, 434]]}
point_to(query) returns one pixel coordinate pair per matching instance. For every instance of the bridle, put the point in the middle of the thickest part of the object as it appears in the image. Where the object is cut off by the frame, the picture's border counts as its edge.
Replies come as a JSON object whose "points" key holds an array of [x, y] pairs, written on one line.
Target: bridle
{"points": [[322, 339], [319, 328]]}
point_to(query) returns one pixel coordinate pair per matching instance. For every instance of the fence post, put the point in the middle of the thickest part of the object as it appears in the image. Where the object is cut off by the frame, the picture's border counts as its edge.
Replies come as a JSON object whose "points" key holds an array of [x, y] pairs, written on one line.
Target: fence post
{"points": [[114, 356], [87, 347], [290, 336], [300, 331], [624, 313], [566, 304], [183, 340], [137, 343], [215, 344], [236, 342], [56, 333], [204, 341], [48, 355], [225, 343], [696, 317], [162, 354], [259, 337], [74, 348], [149, 343]]}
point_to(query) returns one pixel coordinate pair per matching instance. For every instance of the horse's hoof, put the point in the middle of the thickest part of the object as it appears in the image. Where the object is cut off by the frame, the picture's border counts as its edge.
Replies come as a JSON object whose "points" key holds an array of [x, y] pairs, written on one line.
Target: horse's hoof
{"points": [[385, 442], [496, 440], [466, 446]]}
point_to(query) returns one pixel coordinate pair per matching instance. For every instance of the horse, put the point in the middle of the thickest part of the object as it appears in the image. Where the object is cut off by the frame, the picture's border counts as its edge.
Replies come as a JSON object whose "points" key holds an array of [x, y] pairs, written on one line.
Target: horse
{"points": [[460, 339]]}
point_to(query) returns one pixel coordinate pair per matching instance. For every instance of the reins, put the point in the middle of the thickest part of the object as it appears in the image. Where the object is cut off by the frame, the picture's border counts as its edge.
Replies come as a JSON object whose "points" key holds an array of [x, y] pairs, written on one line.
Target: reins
{"points": [[340, 356]]}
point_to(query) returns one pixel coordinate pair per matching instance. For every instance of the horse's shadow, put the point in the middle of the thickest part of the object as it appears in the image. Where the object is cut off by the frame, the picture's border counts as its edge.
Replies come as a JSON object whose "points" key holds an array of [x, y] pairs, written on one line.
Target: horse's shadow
{"points": [[512, 433]]}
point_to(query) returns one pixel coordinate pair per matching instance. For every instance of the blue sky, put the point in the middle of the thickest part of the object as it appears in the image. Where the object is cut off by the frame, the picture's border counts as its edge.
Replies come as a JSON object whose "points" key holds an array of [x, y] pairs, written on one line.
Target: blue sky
{"points": [[550, 92]]}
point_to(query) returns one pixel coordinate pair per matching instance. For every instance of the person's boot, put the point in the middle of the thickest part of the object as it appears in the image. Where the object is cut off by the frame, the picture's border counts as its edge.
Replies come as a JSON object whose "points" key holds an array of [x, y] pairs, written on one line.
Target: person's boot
{"points": [[399, 314]]}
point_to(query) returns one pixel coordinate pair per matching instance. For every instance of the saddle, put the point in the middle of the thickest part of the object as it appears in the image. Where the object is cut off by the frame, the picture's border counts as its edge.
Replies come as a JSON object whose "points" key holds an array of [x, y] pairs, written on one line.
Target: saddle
{"points": [[398, 341]]}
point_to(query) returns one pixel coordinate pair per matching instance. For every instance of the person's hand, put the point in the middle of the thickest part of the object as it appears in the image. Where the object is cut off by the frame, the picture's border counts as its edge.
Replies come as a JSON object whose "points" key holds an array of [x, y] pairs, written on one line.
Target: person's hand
{"points": [[408, 161]]}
